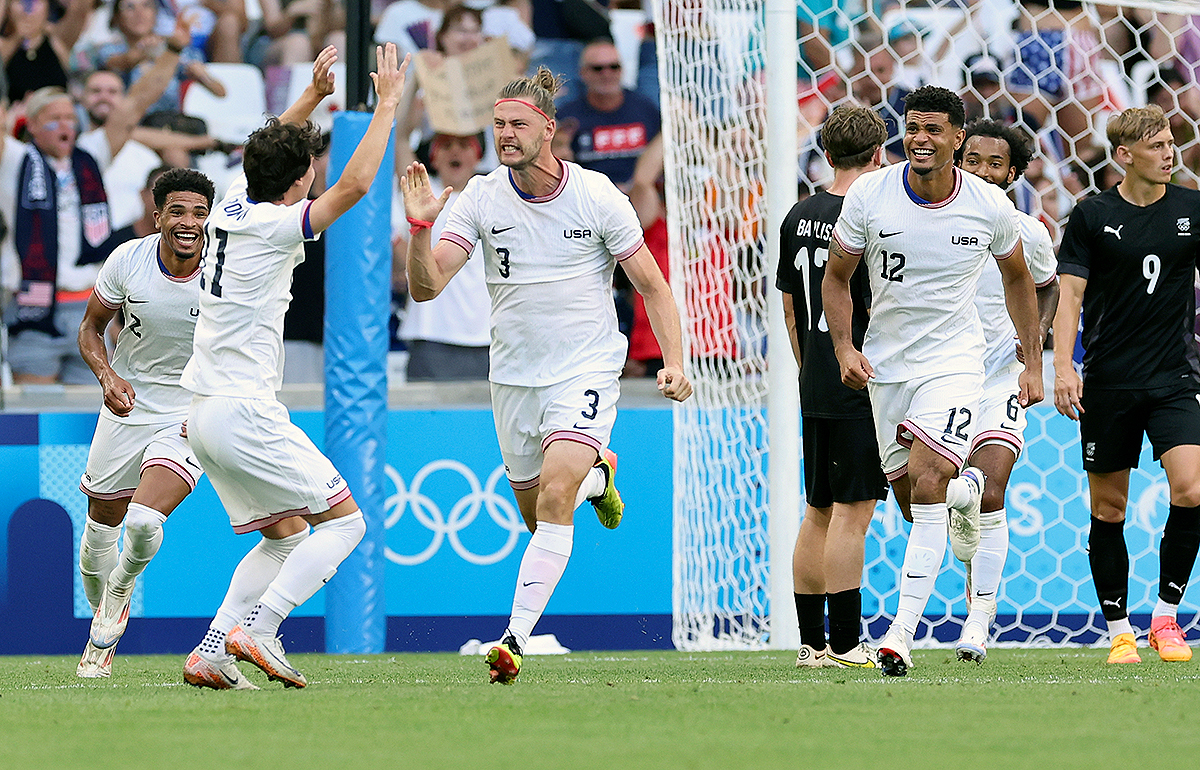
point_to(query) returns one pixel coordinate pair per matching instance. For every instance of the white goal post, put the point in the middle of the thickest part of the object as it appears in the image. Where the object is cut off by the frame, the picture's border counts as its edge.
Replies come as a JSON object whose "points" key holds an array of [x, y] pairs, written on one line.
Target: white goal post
{"points": [[743, 93]]}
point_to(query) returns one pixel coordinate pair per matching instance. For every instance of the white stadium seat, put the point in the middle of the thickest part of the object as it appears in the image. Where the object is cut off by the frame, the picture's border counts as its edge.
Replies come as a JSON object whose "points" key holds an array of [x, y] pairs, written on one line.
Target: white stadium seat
{"points": [[242, 109]]}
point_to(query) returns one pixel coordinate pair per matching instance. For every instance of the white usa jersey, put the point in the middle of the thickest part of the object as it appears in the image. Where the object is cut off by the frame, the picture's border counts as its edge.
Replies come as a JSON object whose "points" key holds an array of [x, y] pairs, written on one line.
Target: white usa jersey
{"points": [[549, 263], [250, 251], [998, 330], [924, 261], [156, 341]]}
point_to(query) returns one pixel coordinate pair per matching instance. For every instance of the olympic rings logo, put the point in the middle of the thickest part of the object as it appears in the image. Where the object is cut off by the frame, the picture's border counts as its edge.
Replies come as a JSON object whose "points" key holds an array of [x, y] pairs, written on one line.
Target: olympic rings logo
{"points": [[502, 513]]}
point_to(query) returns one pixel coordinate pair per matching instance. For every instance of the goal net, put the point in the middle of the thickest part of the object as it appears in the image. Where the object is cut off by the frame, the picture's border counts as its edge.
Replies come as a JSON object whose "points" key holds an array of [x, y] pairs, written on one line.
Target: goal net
{"points": [[1057, 74]]}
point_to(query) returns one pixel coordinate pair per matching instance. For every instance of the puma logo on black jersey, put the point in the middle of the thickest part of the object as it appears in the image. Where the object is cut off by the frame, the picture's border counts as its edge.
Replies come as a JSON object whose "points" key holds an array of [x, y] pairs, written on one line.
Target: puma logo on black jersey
{"points": [[1116, 232]]}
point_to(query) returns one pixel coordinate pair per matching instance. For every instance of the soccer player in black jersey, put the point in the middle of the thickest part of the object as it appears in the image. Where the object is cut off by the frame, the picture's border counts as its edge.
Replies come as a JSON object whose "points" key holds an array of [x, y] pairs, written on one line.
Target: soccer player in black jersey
{"points": [[842, 474], [1129, 258]]}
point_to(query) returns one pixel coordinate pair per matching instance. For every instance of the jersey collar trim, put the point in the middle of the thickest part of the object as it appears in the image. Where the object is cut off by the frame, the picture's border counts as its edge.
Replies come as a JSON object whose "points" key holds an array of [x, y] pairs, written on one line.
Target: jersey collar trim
{"points": [[917, 199], [171, 276], [562, 184]]}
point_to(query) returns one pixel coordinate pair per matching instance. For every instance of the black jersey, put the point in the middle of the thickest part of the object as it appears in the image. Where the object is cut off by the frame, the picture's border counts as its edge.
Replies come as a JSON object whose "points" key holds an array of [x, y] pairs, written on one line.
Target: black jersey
{"points": [[803, 252], [1139, 305]]}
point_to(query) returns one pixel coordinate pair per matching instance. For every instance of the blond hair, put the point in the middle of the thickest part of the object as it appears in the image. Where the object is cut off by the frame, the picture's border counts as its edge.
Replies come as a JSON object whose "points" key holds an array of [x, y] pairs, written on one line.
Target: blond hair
{"points": [[1135, 123], [538, 89]]}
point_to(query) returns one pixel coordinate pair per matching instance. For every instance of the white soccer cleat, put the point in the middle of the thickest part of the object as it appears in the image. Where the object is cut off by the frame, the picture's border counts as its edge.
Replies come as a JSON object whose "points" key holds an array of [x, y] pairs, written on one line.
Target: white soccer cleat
{"points": [[893, 655], [861, 656], [809, 657], [964, 519], [972, 645], [199, 671], [267, 654], [96, 663], [111, 618]]}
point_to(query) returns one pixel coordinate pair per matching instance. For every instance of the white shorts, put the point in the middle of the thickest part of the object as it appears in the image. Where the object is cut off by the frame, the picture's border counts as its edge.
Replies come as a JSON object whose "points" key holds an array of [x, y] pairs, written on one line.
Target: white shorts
{"points": [[121, 451], [1001, 416], [941, 411], [582, 409], [262, 466]]}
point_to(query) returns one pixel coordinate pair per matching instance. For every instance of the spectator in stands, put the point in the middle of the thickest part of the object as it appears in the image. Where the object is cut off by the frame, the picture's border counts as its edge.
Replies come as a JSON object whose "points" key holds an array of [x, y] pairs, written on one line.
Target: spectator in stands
{"points": [[874, 84], [448, 336], [36, 50], [217, 26], [1057, 69], [1181, 105], [137, 46], [295, 30], [611, 125], [410, 24], [52, 193]]}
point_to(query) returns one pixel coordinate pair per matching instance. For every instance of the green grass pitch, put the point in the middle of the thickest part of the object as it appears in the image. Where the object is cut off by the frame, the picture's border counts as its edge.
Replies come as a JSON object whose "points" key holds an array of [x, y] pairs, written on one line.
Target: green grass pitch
{"points": [[1046, 708]]}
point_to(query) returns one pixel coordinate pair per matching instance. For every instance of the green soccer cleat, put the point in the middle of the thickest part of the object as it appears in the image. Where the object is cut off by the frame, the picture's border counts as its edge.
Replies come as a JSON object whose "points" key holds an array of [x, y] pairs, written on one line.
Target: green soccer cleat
{"points": [[504, 661], [609, 506]]}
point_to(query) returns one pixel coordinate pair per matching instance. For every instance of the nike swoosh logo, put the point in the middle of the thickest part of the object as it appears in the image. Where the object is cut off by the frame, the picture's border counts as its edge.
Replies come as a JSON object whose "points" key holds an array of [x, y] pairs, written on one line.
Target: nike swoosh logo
{"points": [[531, 583], [583, 427], [137, 301], [911, 576], [983, 595], [192, 463], [498, 230], [882, 234]]}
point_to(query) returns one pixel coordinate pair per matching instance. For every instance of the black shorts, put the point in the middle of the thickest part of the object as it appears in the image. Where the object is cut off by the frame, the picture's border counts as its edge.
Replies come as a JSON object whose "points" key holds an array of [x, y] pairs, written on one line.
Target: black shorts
{"points": [[841, 461], [1113, 422]]}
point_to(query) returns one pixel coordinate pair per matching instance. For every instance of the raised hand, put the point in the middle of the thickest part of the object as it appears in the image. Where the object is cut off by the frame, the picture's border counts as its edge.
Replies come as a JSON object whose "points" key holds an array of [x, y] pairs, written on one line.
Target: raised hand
{"points": [[388, 77], [322, 81], [419, 201]]}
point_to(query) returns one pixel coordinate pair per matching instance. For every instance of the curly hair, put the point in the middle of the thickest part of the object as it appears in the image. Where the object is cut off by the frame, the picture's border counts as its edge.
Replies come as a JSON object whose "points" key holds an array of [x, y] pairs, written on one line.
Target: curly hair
{"points": [[937, 99], [1020, 146], [851, 134], [539, 89], [277, 155], [181, 180]]}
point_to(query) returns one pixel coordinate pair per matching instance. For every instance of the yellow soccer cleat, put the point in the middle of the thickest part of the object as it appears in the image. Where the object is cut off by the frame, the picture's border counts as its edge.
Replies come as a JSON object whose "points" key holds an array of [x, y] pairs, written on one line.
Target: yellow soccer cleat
{"points": [[608, 505], [1124, 650], [1167, 638]]}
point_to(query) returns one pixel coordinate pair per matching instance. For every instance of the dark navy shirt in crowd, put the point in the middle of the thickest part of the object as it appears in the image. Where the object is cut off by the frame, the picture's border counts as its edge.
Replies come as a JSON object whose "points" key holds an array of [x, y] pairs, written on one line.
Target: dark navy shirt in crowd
{"points": [[1139, 305], [610, 142], [803, 253]]}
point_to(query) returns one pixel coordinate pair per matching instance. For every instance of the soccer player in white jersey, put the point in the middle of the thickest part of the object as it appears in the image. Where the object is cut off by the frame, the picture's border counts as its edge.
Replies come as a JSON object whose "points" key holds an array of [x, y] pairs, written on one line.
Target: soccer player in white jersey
{"points": [[551, 234], [925, 229], [139, 467], [999, 153], [269, 475]]}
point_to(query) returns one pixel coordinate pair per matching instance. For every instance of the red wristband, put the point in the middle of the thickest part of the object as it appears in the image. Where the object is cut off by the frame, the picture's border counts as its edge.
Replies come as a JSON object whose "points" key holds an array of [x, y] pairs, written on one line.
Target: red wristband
{"points": [[418, 224]]}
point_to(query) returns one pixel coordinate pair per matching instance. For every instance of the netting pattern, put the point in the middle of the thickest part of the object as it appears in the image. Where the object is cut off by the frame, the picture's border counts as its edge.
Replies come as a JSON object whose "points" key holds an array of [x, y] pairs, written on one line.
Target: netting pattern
{"points": [[1057, 74]]}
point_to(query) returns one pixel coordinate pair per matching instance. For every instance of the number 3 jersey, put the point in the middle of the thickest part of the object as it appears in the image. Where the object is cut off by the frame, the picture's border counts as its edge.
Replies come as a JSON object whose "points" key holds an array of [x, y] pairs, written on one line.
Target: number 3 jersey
{"points": [[924, 261], [156, 341], [250, 251], [1139, 305], [549, 263]]}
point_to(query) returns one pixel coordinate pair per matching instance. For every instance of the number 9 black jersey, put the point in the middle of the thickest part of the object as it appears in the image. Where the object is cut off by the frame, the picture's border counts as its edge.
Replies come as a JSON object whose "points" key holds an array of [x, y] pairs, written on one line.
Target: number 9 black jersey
{"points": [[1139, 306]]}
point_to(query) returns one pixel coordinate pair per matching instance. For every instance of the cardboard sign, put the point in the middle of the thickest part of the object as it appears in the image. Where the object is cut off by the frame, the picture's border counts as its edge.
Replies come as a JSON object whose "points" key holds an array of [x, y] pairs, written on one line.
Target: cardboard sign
{"points": [[460, 91]]}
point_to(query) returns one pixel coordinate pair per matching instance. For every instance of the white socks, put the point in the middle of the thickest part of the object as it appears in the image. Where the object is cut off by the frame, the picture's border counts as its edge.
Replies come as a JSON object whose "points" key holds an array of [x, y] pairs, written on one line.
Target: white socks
{"points": [[254, 573], [543, 564], [922, 562], [309, 566], [593, 486], [143, 536], [1163, 609], [988, 565], [97, 558]]}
